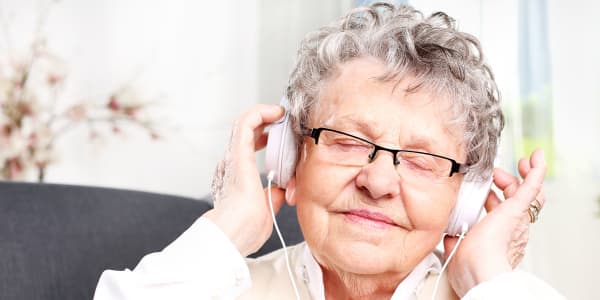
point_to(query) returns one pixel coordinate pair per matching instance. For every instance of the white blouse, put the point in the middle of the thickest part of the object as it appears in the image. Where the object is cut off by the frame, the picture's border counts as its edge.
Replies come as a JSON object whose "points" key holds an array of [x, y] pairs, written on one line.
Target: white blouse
{"points": [[202, 263]]}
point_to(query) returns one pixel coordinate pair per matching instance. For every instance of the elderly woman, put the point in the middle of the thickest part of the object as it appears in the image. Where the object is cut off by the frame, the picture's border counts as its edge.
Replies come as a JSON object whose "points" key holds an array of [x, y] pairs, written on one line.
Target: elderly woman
{"points": [[391, 113]]}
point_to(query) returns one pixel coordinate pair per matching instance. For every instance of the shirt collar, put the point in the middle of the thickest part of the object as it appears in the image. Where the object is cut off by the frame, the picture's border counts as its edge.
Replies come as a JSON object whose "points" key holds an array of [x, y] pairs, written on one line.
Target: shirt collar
{"points": [[310, 272]]}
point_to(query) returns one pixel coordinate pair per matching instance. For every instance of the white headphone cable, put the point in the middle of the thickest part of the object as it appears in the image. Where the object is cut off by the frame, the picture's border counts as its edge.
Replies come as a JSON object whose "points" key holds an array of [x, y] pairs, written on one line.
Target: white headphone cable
{"points": [[464, 230], [287, 259]]}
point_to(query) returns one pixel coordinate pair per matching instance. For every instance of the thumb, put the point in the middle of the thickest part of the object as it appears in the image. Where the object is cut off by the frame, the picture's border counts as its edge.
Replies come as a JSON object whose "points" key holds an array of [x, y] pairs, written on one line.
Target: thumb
{"points": [[449, 244], [277, 195]]}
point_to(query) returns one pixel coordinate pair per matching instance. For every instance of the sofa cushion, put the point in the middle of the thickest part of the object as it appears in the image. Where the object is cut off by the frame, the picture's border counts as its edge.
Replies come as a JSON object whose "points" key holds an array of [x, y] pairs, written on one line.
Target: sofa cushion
{"points": [[55, 240]]}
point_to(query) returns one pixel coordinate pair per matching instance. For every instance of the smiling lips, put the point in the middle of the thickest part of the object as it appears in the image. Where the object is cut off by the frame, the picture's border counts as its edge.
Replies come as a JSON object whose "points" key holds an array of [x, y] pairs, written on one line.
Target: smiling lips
{"points": [[369, 218]]}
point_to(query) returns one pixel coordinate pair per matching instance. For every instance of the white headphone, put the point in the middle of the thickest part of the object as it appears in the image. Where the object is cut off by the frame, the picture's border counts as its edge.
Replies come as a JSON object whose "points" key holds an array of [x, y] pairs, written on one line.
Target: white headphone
{"points": [[281, 153], [281, 156]]}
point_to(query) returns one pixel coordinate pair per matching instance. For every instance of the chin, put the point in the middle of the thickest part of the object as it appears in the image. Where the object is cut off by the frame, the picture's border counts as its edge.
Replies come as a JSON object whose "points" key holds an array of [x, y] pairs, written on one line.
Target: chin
{"points": [[365, 258]]}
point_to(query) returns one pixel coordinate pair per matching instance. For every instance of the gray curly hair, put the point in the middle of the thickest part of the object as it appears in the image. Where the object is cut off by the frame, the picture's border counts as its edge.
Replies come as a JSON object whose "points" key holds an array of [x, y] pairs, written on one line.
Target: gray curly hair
{"points": [[442, 60]]}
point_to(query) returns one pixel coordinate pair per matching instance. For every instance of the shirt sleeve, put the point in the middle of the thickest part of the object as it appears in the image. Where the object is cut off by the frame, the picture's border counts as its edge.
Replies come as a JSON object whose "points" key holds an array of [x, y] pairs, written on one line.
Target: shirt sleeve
{"points": [[517, 285], [201, 264]]}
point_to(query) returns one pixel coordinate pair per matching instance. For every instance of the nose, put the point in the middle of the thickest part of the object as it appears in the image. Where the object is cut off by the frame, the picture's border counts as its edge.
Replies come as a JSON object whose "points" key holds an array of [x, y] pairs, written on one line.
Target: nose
{"points": [[379, 178]]}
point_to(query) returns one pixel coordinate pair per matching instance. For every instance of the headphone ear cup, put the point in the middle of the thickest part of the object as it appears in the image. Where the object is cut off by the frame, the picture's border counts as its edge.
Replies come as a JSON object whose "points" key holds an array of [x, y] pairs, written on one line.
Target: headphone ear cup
{"points": [[281, 153], [470, 201]]}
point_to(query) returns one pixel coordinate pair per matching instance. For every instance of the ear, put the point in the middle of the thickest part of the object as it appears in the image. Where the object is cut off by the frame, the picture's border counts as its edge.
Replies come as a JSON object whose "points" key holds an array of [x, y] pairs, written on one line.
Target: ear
{"points": [[290, 191]]}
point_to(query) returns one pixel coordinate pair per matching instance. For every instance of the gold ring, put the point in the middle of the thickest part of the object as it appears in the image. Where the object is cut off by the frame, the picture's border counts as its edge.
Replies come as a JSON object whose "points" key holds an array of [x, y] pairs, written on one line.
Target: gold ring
{"points": [[537, 204], [534, 211]]}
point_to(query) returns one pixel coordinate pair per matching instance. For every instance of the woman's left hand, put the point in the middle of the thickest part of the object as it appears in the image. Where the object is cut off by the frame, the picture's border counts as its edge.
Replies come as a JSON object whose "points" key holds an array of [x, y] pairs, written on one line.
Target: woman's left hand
{"points": [[497, 243]]}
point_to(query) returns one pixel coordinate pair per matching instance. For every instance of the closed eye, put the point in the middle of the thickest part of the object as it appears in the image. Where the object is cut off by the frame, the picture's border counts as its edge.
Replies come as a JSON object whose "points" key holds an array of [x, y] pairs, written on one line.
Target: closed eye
{"points": [[418, 162], [351, 145]]}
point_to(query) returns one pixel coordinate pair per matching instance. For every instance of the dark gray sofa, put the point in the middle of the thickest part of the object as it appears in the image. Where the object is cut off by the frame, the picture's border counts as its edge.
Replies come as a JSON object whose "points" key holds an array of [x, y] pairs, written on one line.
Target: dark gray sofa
{"points": [[55, 240]]}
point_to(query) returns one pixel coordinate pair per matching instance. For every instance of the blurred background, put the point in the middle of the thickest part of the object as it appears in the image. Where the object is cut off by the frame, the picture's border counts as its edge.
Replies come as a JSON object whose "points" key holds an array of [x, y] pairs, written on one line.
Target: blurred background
{"points": [[141, 95]]}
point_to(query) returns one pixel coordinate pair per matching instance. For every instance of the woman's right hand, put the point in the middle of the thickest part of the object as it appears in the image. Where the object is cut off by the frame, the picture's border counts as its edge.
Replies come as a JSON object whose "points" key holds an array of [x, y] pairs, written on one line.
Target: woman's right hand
{"points": [[241, 206]]}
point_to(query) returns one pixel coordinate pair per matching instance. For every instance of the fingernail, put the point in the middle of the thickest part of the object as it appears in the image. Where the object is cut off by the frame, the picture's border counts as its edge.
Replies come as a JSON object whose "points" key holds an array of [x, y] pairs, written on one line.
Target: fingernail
{"points": [[542, 154]]}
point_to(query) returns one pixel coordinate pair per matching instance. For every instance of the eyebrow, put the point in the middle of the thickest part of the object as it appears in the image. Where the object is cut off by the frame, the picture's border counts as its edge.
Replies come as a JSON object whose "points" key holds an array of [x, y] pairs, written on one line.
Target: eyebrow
{"points": [[421, 143], [355, 123], [352, 122]]}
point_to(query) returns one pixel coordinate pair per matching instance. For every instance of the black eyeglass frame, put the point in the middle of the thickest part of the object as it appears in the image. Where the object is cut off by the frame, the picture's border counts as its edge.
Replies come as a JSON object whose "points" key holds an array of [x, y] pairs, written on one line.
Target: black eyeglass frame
{"points": [[315, 133]]}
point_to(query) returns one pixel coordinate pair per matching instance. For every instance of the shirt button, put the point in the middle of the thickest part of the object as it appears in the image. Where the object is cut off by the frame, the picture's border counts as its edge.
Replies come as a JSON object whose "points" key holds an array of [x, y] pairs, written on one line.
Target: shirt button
{"points": [[304, 274]]}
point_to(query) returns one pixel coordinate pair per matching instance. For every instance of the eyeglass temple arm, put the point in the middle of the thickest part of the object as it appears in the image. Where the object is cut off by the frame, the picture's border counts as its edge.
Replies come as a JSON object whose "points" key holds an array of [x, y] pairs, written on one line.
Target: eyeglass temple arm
{"points": [[458, 168]]}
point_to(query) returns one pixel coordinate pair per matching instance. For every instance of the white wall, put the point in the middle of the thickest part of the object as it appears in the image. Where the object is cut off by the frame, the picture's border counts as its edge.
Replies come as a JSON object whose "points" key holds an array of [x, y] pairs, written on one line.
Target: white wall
{"points": [[570, 240], [282, 25], [199, 58], [206, 62]]}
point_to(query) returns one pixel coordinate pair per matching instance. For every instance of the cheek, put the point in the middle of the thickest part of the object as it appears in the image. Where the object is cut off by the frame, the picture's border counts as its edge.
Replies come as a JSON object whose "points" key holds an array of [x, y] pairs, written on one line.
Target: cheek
{"points": [[430, 210], [320, 188], [318, 182]]}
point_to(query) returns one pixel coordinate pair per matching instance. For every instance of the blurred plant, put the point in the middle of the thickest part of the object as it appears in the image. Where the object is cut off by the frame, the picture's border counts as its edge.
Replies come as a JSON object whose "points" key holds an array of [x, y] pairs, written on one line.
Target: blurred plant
{"points": [[33, 118]]}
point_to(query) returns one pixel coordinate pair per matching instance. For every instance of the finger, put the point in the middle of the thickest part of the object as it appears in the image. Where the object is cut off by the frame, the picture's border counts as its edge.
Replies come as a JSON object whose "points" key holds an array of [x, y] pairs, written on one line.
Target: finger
{"points": [[261, 142], [260, 130], [492, 201], [503, 179], [277, 196], [537, 157], [505, 182], [449, 244], [541, 198], [532, 185], [268, 112], [524, 166], [244, 134]]}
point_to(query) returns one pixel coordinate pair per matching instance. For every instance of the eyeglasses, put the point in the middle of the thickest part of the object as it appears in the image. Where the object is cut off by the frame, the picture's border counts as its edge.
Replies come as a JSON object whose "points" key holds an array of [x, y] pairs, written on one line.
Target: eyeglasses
{"points": [[345, 149]]}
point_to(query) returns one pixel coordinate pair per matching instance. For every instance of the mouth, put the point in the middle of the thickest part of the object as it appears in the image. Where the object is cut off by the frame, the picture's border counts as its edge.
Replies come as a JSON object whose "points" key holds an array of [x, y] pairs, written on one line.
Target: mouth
{"points": [[369, 218]]}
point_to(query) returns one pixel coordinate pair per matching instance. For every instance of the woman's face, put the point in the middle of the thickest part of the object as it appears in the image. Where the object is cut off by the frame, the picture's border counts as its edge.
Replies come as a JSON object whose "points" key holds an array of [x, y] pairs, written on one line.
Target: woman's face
{"points": [[368, 220]]}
